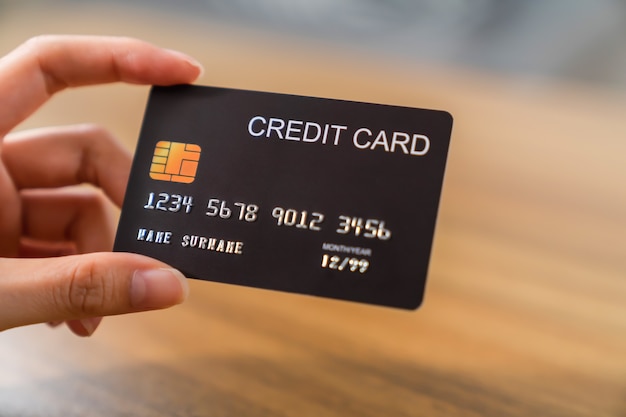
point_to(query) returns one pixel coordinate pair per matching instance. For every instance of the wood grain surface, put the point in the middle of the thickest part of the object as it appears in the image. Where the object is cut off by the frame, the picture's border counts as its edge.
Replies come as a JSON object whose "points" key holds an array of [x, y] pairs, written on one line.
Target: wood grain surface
{"points": [[525, 309]]}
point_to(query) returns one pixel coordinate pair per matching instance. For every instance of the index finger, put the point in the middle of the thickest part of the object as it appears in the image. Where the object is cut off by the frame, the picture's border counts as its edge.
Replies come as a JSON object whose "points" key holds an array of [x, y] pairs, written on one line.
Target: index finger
{"points": [[44, 65]]}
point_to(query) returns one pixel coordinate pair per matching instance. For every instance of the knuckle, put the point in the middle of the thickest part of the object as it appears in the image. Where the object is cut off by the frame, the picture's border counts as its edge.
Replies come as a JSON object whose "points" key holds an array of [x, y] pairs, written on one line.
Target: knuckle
{"points": [[87, 291], [93, 201], [37, 49], [94, 132], [37, 46], [87, 171], [38, 43], [130, 41], [96, 144]]}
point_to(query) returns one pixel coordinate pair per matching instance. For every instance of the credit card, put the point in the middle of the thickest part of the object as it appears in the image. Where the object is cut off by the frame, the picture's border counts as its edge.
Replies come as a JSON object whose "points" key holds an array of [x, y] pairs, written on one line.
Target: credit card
{"points": [[307, 195]]}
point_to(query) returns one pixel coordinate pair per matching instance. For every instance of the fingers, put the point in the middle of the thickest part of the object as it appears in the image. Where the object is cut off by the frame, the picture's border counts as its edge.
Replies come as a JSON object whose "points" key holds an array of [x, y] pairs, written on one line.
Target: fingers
{"points": [[45, 65], [80, 215], [76, 289], [66, 221], [84, 327], [56, 157], [83, 287], [10, 208], [68, 155]]}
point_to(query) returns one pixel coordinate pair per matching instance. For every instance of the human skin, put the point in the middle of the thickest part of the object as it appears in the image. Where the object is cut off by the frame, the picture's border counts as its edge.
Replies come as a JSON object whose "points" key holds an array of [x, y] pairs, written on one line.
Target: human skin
{"points": [[55, 232]]}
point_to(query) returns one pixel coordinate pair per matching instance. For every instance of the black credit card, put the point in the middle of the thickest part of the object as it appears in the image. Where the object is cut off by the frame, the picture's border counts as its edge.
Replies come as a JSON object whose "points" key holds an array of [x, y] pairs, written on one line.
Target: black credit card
{"points": [[307, 195]]}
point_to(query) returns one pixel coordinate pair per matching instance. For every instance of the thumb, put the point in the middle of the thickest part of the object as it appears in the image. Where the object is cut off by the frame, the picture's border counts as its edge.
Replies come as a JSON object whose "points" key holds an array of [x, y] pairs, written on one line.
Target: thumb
{"points": [[81, 286]]}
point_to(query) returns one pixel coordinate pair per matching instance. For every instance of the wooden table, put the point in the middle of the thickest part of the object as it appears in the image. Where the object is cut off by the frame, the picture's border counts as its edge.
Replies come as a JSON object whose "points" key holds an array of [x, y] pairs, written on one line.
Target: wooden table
{"points": [[525, 310]]}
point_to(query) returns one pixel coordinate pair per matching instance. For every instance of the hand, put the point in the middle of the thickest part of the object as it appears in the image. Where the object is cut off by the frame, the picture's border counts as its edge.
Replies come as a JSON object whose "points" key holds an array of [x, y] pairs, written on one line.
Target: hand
{"points": [[48, 221]]}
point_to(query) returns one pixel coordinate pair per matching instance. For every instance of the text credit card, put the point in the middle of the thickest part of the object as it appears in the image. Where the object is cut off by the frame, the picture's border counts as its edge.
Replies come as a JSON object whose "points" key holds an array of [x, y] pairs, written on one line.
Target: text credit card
{"points": [[307, 195]]}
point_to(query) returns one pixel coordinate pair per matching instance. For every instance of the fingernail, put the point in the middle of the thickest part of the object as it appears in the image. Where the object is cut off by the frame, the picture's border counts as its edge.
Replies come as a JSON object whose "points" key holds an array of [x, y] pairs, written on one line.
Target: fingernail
{"points": [[200, 67], [158, 288], [90, 325], [188, 59]]}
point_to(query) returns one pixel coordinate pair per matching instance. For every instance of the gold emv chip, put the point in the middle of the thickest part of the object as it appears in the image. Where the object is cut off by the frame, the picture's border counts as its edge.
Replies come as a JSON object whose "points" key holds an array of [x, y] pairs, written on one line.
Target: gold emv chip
{"points": [[175, 162]]}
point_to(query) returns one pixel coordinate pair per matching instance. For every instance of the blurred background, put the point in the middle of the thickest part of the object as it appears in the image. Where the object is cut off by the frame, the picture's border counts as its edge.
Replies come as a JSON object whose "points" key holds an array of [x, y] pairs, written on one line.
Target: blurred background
{"points": [[572, 39]]}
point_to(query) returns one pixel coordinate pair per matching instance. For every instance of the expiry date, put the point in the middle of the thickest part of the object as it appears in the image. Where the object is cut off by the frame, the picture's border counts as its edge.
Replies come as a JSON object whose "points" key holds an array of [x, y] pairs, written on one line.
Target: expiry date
{"points": [[346, 263]]}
